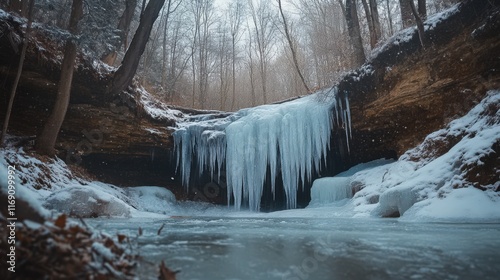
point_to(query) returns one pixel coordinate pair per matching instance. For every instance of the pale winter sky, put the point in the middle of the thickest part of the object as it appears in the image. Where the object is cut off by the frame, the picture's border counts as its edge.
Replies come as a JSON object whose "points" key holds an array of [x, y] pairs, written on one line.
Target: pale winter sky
{"points": [[287, 6]]}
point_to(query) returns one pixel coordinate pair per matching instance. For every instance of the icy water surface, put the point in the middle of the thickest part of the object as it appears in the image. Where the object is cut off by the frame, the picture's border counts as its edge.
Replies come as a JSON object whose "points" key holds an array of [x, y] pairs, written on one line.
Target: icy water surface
{"points": [[312, 248]]}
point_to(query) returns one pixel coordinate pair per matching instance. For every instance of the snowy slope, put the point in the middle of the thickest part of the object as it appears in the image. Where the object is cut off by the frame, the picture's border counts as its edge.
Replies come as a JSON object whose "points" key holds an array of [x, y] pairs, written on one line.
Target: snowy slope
{"points": [[49, 183], [441, 179]]}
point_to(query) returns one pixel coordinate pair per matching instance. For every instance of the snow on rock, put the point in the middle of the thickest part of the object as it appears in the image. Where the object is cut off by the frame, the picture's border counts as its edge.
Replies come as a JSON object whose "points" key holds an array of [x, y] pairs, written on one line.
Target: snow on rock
{"points": [[406, 35], [437, 18], [47, 183], [11, 186], [344, 185], [156, 109], [453, 175], [461, 205], [152, 199], [447, 177], [291, 137], [86, 202]]}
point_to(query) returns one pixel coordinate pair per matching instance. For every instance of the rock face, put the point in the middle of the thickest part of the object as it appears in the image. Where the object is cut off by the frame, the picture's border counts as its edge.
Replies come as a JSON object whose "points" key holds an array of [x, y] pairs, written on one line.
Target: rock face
{"points": [[405, 92], [111, 136], [399, 96]]}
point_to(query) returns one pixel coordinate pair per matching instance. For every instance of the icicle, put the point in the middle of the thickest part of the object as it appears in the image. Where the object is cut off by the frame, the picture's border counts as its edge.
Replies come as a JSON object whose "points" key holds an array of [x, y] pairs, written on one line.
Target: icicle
{"points": [[291, 137], [348, 109]]}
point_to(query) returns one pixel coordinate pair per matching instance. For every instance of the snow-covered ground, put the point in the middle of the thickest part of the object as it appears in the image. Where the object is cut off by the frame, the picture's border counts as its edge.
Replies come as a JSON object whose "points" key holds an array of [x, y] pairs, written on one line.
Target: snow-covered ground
{"points": [[50, 184], [427, 183]]}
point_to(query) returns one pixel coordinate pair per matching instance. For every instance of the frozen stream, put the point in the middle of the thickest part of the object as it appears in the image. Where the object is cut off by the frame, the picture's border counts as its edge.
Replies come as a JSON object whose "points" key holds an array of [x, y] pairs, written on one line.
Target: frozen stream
{"points": [[266, 247]]}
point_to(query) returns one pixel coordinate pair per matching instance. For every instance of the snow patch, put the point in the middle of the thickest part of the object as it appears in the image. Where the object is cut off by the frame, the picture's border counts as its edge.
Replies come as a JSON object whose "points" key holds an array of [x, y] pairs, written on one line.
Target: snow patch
{"points": [[461, 205], [328, 190], [157, 109], [86, 202], [152, 199], [422, 182]]}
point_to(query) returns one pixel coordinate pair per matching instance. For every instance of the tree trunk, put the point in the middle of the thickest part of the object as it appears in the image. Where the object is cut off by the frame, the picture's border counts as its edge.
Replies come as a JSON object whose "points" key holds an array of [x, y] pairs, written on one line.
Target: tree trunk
{"points": [[292, 48], [351, 15], [20, 7], [18, 74], [124, 27], [369, 20], [406, 13], [389, 17], [15, 6], [235, 16], [420, 24], [422, 9], [124, 75], [233, 70], [375, 18], [47, 139]]}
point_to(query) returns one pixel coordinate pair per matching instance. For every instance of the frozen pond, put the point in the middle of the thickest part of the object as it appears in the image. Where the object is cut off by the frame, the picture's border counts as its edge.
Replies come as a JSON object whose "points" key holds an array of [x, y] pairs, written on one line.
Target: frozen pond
{"points": [[263, 247]]}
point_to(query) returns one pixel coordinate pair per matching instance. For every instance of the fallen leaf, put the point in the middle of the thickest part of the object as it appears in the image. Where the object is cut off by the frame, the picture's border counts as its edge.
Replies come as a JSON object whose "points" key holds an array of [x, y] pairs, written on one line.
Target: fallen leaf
{"points": [[61, 221]]}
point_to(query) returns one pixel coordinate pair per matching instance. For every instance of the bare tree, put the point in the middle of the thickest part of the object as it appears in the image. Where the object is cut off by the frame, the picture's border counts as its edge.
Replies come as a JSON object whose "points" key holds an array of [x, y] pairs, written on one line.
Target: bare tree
{"points": [[264, 30], [224, 56], [47, 139], [326, 38], [250, 64], [19, 71], [176, 60], [406, 13], [293, 47], [124, 75], [422, 9], [351, 17], [124, 27], [420, 24], [389, 17], [20, 7], [373, 21], [204, 18], [235, 19], [168, 71]]}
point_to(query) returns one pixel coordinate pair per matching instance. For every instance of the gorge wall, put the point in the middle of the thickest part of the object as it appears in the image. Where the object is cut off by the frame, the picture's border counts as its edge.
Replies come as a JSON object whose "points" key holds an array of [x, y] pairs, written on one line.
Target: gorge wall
{"points": [[406, 92]]}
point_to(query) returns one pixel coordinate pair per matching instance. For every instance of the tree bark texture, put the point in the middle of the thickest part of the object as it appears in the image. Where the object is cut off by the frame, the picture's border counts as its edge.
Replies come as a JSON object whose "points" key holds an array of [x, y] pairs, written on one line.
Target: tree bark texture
{"points": [[351, 16], [292, 48], [124, 27], [47, 139], [422, 9], [18, 74], [406, 13], [124, 75], [420, 24]]}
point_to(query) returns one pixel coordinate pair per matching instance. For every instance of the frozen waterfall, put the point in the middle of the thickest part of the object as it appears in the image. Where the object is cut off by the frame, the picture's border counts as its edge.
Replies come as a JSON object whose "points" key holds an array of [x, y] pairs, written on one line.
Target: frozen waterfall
{"points": [[289, 138]]}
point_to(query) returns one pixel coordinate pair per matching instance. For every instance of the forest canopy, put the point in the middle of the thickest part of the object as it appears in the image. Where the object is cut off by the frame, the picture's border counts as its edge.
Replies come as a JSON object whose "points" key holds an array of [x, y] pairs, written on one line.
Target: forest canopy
{"points": [[226, 55]]}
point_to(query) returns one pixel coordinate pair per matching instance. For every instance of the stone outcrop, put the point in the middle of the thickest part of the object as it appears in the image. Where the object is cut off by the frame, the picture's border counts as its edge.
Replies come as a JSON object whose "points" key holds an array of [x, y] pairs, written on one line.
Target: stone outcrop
{"points": [[405, 92]]}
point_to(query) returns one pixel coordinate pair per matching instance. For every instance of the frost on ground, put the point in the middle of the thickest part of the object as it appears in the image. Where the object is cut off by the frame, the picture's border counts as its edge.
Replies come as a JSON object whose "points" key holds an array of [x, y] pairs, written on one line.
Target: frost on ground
{"points": [[49, 184], [452, 175]]}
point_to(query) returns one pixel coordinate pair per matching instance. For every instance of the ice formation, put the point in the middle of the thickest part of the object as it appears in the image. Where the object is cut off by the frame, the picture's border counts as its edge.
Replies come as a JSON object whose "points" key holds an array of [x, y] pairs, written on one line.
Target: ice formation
{"points": [[330, 189], [288, 138]]}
